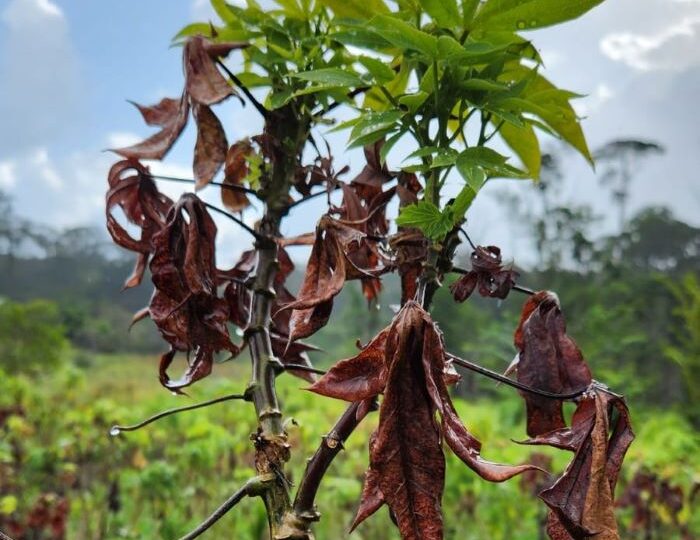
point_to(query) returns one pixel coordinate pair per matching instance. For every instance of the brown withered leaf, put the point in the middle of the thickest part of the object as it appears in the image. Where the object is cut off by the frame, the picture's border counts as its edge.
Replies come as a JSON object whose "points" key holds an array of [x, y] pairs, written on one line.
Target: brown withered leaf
{"points": [[372, 498], [409, 244], [161, 113], [407, 454], [320, 173], [204, 86], [407, 362], [142, 204], [185, 306], [370, 220], [172, 120], [235, 171], [239, 298], [236, 294], [374, 175], [203, 81], [487, 274], [357, 378], [211, 146], [326, 271], [582, 499], [548, 360], [410, 247]]}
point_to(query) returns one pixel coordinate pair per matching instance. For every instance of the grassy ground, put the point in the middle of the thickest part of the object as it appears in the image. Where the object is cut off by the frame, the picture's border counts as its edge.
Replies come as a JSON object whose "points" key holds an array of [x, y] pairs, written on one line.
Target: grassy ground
{"points": [[159, 482]]}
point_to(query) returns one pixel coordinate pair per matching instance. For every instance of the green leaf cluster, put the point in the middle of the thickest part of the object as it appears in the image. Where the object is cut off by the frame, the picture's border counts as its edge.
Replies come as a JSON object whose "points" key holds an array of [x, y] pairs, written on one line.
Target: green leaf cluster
{"points": [[452, 75]]}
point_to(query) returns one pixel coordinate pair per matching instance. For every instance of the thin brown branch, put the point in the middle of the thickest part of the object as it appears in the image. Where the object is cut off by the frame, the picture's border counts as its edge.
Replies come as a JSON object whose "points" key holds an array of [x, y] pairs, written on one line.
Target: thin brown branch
{"points": [[258, 106], [230, 187], [317, 466], [464, 233], [309, 197], [117, 429], [510, 382], [250, 488], [233, 218], [302, 367]]}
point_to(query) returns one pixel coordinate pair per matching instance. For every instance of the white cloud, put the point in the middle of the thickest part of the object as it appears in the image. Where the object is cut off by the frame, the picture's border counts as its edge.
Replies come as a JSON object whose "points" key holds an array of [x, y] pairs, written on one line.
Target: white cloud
{"points": [[46, 170], [590, 104], [40, 92], [675, 47], [120, 139], [8, 176]]}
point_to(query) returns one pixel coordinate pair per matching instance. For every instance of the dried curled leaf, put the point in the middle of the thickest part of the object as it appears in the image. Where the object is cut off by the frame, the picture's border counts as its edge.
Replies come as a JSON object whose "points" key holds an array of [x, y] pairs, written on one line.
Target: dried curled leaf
{"points": [[328, 267], [407, 362], [171, 115], [409, 244], [204, 86], [235, 171], [185, 306], [211, 146], [203, 81], [582, 499], [487, 274], [548, 360], [357, 378], [142, 204]]}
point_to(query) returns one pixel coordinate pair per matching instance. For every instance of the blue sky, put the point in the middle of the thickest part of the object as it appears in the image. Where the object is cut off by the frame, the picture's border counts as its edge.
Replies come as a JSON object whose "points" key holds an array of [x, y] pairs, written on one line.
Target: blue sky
{"points": [[68, 66]]}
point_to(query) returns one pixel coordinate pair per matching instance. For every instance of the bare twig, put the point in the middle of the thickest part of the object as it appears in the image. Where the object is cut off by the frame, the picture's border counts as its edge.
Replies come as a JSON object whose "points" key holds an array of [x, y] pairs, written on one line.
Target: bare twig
{"points": [[115, 430], [309, 197], [510, 382], [302, 367], [317, 466], [258, 106], [233, 218], [467, 237], [524, 290], [3, 536], [230, 187], [248, 489]]}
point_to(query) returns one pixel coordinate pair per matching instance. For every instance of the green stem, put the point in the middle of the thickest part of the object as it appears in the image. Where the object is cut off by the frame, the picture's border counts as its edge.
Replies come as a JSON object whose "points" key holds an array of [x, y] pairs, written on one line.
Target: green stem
{"points": [[289, 132]]}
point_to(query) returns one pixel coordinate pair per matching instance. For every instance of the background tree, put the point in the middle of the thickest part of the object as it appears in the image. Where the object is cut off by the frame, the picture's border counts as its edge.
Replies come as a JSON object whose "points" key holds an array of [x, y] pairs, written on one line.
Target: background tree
{"points": [[618, 159]]}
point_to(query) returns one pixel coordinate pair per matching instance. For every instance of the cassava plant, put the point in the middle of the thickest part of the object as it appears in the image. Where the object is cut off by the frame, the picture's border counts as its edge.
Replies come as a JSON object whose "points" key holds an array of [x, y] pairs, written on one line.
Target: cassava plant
{"points": [[437, 85]]}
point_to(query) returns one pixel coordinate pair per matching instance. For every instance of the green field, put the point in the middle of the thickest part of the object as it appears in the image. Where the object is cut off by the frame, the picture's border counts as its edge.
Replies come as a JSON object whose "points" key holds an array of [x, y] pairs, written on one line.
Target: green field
{"points": [[159, 482]]}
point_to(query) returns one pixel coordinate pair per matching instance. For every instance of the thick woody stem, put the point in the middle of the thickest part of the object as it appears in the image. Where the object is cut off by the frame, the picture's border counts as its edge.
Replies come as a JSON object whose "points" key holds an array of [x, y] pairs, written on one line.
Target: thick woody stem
{"points": [[316, 467], [288, 135]]}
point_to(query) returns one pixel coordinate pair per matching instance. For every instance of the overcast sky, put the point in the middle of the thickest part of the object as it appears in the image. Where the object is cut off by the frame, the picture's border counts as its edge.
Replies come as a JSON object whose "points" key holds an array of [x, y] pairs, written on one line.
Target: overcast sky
{"points": [[68, 66]]}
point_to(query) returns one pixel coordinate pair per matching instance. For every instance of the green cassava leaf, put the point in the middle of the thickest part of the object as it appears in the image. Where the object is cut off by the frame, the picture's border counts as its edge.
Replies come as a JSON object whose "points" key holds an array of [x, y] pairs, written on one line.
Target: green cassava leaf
{"points": [[462, 203], [355, 9], [444, 12], [224, 10], [551, 104], [331, 77], [388, 145], [523, 141], [414, 101], [401, 34], [362, 38], [427, 217], [380, 70], [529, 14], [489, 161], [468, 10]]}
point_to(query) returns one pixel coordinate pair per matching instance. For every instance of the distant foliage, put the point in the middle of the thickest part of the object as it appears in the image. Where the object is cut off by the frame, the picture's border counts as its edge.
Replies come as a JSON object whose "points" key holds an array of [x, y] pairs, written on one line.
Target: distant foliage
{"points": [[32, 337]]}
